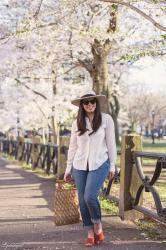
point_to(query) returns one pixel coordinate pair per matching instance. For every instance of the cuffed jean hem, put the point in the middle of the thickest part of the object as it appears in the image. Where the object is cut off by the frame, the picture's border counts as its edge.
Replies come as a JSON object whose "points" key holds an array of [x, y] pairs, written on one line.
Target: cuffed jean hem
{"points": [[88, 227], [96, 221]]}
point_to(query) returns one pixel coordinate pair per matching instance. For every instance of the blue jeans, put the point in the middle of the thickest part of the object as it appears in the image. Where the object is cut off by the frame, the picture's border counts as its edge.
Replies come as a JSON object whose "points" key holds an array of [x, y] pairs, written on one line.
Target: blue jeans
{"points": [[88, 184]]}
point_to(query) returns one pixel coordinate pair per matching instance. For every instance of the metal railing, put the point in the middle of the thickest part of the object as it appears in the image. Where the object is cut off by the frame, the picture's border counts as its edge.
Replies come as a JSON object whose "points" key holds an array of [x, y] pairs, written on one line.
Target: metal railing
{"points": [[149, 182]]}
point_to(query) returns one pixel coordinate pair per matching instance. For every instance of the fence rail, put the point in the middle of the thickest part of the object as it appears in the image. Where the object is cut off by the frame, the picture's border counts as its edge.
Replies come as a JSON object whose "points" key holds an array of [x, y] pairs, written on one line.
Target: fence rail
{"points": [[148, 183], [36, 154], [133, 180]]}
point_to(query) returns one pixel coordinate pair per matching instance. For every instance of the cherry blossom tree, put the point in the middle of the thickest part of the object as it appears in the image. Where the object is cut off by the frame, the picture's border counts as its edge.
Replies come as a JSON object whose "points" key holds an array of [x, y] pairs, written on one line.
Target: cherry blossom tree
{"points": [[53, 49]]}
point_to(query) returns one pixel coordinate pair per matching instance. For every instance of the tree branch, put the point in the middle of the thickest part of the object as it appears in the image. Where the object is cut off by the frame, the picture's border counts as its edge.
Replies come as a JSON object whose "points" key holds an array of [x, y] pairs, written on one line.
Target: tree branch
{"points": [[117, 105], [70, 38], [38, 9], [44, 115], [34, 91], [140, 12], [87, 64], [93, 15], [67, 71]]}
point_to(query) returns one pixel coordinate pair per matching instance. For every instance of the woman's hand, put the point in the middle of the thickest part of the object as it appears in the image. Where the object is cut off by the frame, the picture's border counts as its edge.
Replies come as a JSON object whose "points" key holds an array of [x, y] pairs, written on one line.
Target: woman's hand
{"points": [[111, 175], [67, 177]]}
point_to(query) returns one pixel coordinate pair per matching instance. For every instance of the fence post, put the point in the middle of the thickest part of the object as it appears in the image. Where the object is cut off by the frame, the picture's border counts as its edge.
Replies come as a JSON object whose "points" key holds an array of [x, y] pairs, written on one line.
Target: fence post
{"points": [[129, 179], [11, 139], [62, 154], [0, 146], [34, 152], [20, 147]]}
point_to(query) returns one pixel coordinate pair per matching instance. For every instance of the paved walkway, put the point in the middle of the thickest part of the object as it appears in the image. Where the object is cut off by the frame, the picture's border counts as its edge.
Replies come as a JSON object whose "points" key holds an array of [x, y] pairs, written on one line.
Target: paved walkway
{"points": [[27, 218]]}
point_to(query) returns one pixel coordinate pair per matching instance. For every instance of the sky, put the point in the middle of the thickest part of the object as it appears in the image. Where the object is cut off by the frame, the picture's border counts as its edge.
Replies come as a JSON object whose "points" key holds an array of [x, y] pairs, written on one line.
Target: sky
{"points": [[148, 72]]}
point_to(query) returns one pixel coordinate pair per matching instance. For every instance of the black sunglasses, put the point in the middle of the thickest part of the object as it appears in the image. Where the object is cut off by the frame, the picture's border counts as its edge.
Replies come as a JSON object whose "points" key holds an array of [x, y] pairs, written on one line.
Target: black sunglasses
{"points": [[86, 102]]}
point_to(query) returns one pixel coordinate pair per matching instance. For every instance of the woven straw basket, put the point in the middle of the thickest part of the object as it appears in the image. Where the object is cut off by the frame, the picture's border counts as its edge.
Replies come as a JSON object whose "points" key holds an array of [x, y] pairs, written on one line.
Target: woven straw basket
{"points": [[66, 205]]}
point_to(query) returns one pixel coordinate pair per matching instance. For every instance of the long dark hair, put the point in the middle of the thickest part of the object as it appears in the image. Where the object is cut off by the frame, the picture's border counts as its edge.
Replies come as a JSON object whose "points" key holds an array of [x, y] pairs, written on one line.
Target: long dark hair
{"points": [[81, 122]]}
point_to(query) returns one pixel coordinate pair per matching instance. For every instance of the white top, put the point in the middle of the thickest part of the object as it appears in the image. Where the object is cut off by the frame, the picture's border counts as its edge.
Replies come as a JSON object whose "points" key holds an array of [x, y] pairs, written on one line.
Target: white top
{"points": [[94, 149]]}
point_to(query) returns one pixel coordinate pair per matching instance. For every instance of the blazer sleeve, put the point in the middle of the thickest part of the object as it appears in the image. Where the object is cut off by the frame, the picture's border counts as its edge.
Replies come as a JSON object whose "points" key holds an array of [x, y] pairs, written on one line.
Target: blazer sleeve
{"points": [[111, 142], [72, 148]]}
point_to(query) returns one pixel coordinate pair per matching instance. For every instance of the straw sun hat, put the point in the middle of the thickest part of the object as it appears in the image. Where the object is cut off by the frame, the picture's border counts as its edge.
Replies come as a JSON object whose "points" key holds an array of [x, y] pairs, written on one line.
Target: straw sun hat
{"points": [[89, 94]]}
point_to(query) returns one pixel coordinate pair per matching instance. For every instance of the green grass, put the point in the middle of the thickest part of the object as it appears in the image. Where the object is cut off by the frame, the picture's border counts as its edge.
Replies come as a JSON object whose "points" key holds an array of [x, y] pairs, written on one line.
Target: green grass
{"points": [[158, 147], [152, 229], [108, 206]]}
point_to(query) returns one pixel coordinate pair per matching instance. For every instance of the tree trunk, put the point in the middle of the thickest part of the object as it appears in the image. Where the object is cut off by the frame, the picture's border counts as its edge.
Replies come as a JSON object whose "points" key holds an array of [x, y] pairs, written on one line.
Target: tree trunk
{"points": [[115, 119], [53, 130], [54, 90], [99, 71], [114, 108]]}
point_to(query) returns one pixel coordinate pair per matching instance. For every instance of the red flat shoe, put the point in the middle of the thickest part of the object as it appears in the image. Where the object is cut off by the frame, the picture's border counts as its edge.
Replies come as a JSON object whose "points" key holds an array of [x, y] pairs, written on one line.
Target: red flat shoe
{"points": [[89, 242], [99, 238]]}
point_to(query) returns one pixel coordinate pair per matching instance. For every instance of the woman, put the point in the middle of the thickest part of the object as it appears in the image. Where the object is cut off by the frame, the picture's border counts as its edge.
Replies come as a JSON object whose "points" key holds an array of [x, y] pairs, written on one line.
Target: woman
{"points": [[91, 158]]}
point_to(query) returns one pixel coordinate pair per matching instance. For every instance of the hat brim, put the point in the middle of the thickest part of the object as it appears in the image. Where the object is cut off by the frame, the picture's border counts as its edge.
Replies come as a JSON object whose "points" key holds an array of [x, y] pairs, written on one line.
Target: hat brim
{"points": [[100, 98]]}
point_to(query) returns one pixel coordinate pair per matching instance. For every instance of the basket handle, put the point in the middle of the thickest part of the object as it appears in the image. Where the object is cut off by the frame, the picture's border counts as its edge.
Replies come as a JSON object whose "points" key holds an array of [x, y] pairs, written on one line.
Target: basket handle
{"points": [[61, 183]]}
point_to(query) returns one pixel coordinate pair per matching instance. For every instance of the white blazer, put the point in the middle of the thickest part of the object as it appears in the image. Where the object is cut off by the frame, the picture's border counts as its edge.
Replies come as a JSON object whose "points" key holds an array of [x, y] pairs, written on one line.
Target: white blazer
{"points": [[93, 150]]}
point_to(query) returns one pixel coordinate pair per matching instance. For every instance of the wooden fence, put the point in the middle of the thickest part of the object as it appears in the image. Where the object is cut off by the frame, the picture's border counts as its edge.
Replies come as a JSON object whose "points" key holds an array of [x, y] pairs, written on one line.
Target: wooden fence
{"points": [[133, 181]]}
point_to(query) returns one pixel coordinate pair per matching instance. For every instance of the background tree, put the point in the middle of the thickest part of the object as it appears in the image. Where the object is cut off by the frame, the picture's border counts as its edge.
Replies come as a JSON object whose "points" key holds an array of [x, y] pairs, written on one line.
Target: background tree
{"points": [[49, 42]]}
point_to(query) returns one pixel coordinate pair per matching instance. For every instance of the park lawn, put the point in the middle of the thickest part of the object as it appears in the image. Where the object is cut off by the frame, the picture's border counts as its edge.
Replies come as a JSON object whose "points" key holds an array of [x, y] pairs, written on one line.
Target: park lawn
{"points": [[158, 147]]}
